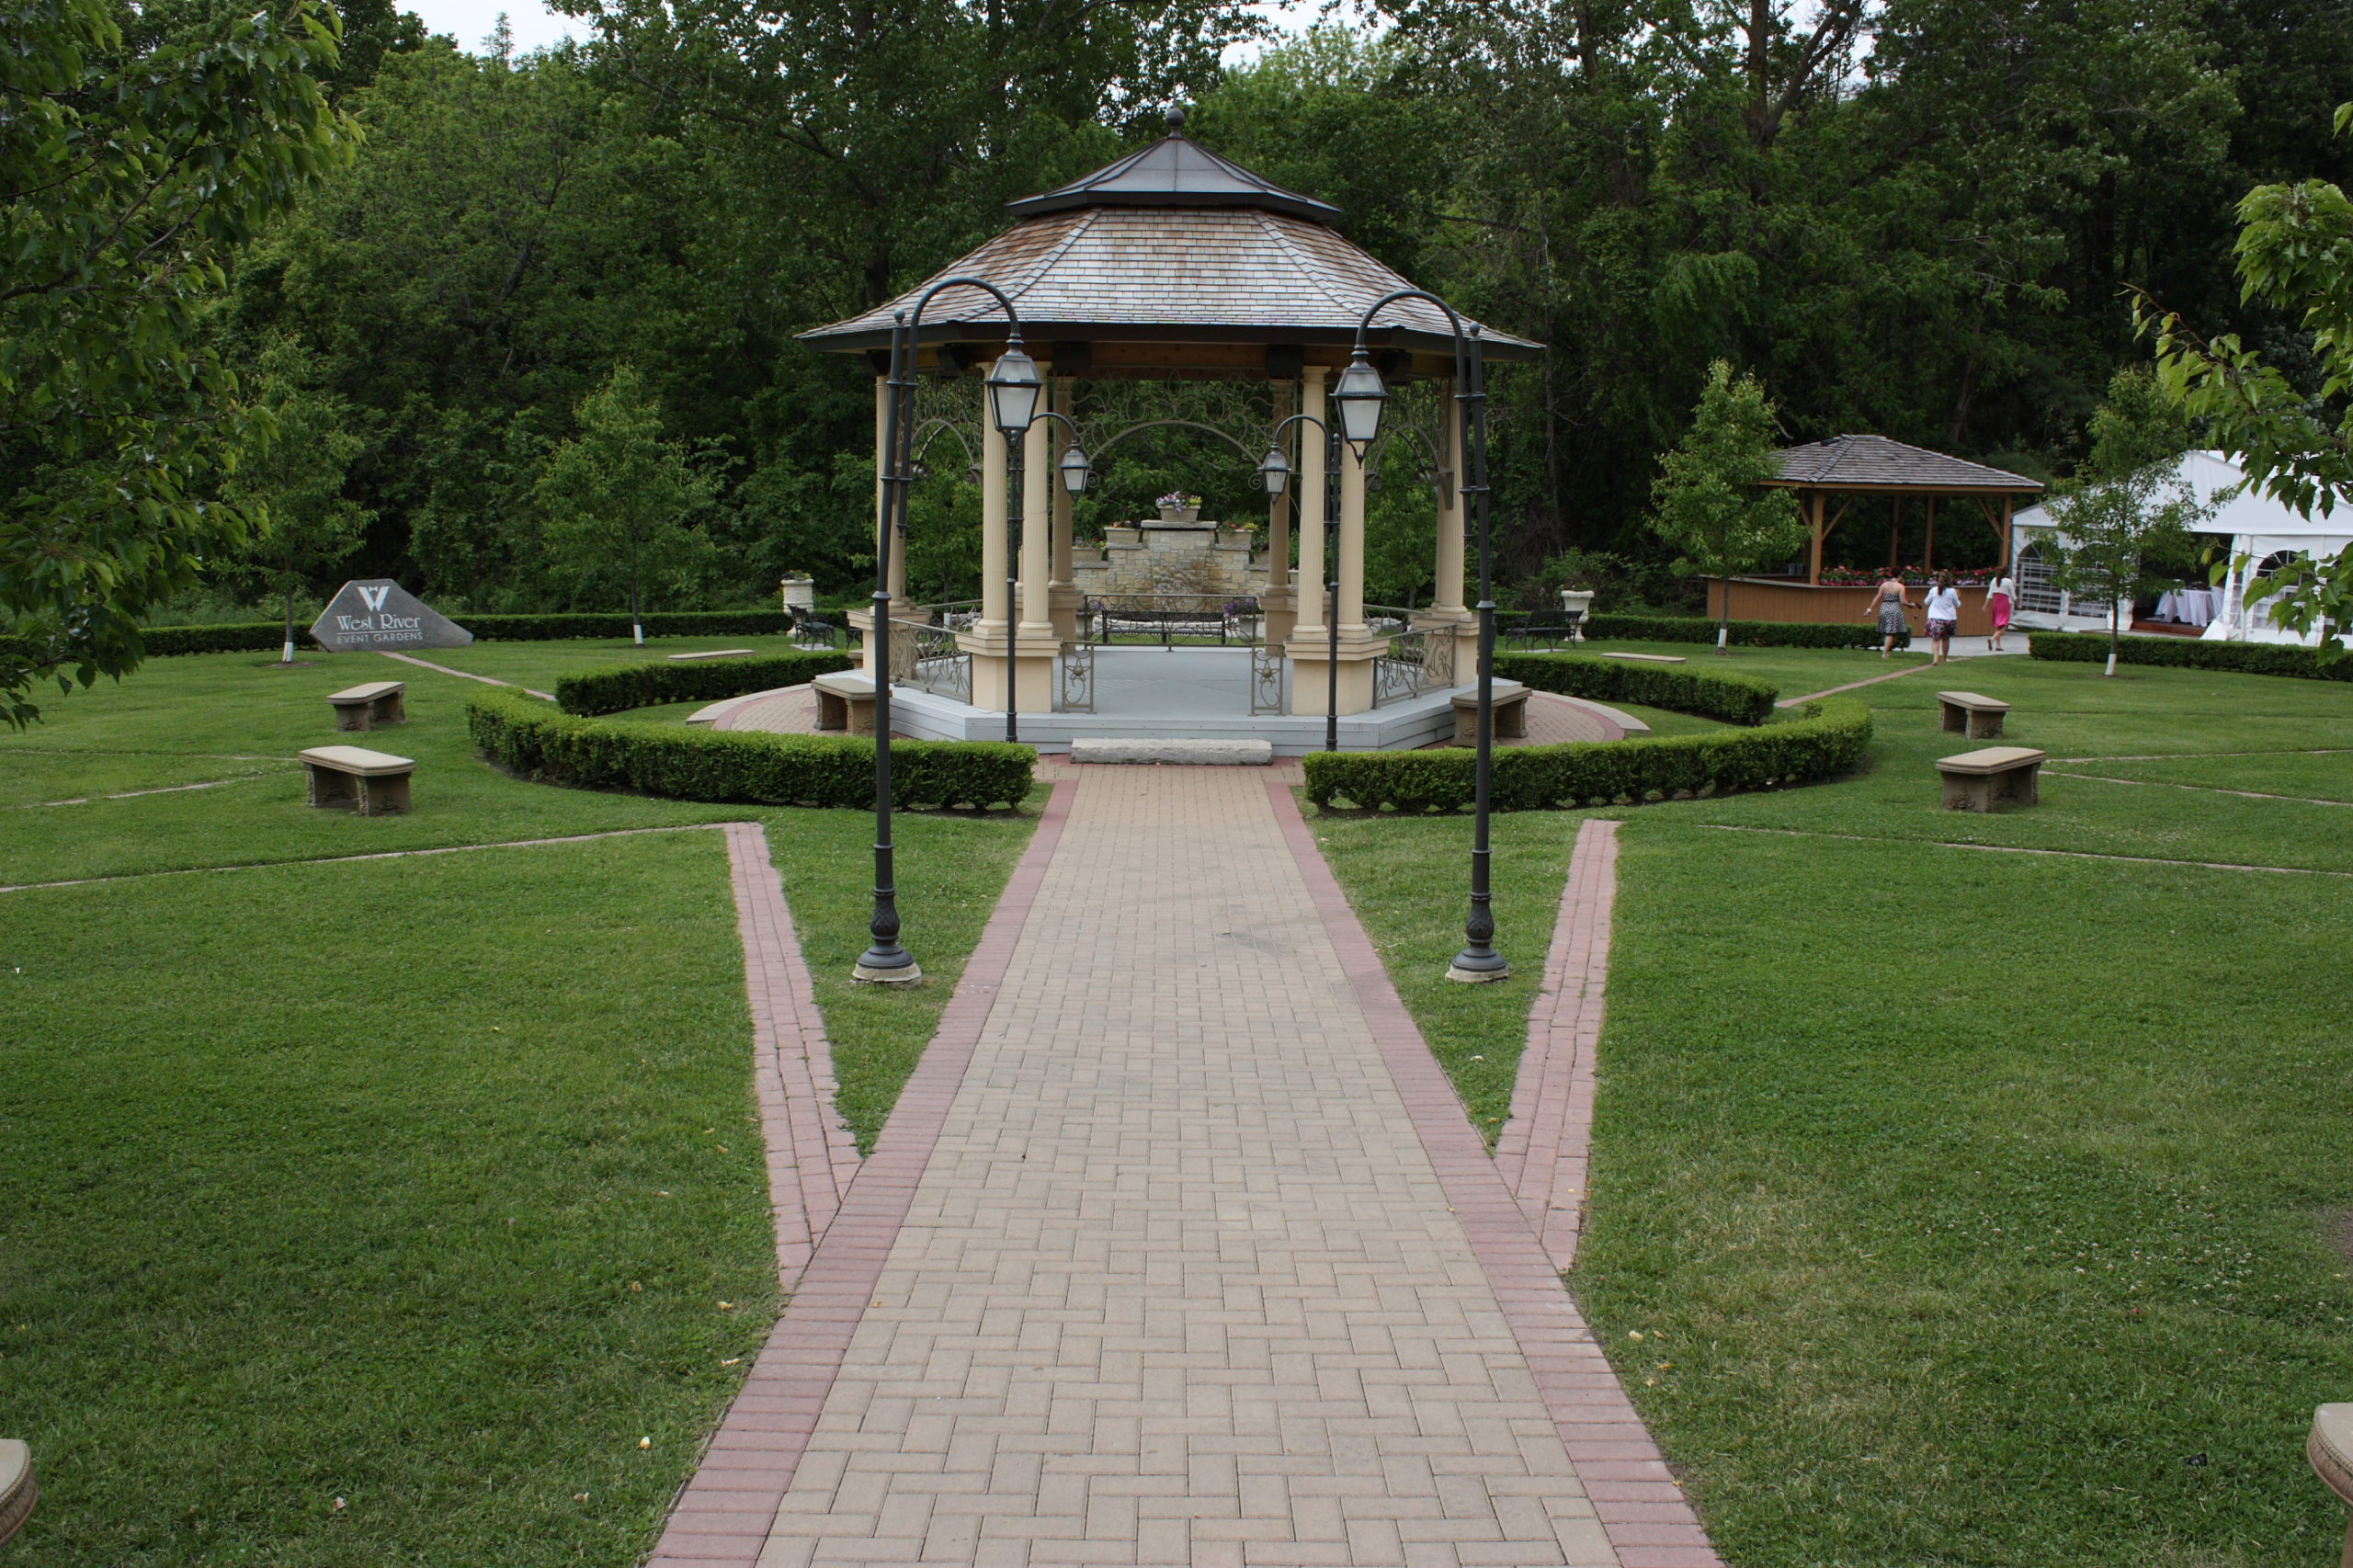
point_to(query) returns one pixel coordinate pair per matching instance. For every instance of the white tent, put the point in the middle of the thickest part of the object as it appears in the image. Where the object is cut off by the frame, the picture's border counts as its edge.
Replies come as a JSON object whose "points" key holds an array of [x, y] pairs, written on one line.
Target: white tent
{"points": [[2261, 529]]}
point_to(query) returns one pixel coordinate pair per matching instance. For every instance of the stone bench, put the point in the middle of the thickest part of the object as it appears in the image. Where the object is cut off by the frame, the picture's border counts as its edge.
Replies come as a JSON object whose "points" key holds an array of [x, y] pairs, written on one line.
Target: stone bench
{"points": [[1175, 753], [846, 701], [1980, 716], [1648, 658], [375, 782], [1976, 780], [18, 1492], [1511, 714], [2330, 1449], [711, 653], [365, 706]]}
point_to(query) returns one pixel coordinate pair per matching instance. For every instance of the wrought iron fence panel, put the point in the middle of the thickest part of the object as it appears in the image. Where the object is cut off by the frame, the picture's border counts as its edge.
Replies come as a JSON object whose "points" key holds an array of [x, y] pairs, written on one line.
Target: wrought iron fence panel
{"points": [[1419, 659], [1078, 687], [925, 656], [1169, 619], [1266, 678]]}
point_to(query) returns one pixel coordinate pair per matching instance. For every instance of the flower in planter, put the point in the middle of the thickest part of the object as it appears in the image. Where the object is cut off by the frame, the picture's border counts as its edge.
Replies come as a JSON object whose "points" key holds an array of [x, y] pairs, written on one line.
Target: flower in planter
{"points": [[1177, 500]]}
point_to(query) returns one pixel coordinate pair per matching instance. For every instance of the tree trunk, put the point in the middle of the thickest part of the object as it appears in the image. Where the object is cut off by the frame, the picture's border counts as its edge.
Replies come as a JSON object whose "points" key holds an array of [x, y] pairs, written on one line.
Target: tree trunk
{"points": [[287, 657], [1723, 621], [636, 621], [2115, 632]]}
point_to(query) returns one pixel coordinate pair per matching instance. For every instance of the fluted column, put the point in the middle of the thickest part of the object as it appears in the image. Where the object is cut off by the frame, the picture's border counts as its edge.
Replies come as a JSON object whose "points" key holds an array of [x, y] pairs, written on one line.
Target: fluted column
{"points": [[1311, 502], [996, 611], [1447, 599], [1351, 540], [1037, 535]]}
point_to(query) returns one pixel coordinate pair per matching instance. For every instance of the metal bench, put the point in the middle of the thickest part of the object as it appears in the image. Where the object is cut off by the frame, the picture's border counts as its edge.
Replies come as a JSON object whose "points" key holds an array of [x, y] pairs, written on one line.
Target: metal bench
{"points": [[365, 706], [2330, 1449], [19, 1491], [373, 782], [846, 701], [1976, 780], [1511, 714], [1980, 716]]}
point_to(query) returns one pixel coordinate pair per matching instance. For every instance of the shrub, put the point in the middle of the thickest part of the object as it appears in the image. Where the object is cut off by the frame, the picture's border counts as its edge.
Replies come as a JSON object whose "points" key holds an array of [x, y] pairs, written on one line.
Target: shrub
{"points": [[539, 742], [617, 687], [2191, 654], [1734, 699], [269, 635], [1827, 740], [1748, 633], [261, 637]]}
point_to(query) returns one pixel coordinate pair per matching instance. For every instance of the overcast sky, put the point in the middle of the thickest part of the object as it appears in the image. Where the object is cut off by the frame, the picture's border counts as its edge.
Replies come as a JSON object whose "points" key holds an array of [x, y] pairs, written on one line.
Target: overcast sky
{"points": [[470, 21]]}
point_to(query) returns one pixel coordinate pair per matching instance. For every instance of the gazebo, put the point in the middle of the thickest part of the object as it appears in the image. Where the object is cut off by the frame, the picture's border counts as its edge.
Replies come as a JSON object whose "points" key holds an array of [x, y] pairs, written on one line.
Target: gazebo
{"points": [[1173, 265], [1828, 477]]}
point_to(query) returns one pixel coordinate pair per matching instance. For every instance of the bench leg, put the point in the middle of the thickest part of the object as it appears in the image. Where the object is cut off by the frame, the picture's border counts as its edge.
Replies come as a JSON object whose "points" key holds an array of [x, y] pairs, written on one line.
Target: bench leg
{"points": [[383, 796], [1511, 721], [390, 709], [355, 716], [1983, 726], [329, 787], [833, 712], [861, 715], [1955, 791], [2025, 786], [1950, 717]]}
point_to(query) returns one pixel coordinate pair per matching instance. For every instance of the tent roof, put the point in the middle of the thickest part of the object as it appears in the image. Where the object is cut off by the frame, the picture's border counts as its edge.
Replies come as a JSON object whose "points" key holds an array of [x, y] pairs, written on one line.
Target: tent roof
{"points": [[1876, 463], [2250, 514]]}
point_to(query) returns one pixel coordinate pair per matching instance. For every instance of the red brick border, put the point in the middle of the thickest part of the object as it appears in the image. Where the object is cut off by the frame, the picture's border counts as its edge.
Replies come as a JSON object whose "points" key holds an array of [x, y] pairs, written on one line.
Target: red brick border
{"points": [[1542, 1153], [1642, 1509], [724, 1515]]}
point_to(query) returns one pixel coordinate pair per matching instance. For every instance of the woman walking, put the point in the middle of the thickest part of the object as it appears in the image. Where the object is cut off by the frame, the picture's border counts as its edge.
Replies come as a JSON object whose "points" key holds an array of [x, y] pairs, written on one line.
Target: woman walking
{"points": [[1889, 606], [1998, 599], [1944, 614]]}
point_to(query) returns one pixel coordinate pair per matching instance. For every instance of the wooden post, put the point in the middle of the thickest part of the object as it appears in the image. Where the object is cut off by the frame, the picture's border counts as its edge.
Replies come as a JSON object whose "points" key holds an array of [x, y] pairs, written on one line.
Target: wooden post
{"points": [[2006, 503], [1928, 550], [1814, 556], [1894, 531]]}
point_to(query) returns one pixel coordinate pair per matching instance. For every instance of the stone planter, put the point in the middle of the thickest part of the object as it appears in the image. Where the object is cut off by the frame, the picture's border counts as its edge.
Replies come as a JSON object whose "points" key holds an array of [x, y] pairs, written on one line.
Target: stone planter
{"points": [[799, 593], [1576, 604], [1180, 514]]}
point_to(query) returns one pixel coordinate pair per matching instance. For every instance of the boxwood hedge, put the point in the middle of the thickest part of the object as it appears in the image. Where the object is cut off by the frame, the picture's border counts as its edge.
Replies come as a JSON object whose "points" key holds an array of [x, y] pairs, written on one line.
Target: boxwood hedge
{"points": [[1748, 633], [1828, 738], [268, 636], [1734, 699], [2191, 652], [538, 742], [617, 687]]}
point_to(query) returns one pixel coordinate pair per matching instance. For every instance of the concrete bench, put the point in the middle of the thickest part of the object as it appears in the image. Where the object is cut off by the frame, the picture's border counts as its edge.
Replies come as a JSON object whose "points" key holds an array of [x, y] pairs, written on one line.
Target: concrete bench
{"points": [[1976, 780], [18, 1492], [1648, 658], [376, 782], [1980, 716], [365, 706], [2330, 1449], [846, 701], [1511, 714], [1178, 753], [711, 653]]}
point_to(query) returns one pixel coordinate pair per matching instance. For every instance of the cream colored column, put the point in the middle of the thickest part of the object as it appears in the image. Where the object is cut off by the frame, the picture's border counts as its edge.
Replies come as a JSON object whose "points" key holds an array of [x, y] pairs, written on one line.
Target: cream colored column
{"points": [[862, 619], [1061, 389], [1453, 517], [1351, 540], [1310, 504], [1279, 507], [996, 612], [1037, 533]]}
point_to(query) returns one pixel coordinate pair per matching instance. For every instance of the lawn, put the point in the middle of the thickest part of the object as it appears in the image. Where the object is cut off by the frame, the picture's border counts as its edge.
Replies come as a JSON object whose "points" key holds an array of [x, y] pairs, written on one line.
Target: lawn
{"points": [[1975, 1208], [416, 1183]]}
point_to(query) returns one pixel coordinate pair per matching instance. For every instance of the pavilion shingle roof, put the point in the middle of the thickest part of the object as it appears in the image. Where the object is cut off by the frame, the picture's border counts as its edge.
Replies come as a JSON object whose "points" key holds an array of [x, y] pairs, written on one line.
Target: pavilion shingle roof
{"points": [[1874, 463], [1174, 172], [1257, 274]]}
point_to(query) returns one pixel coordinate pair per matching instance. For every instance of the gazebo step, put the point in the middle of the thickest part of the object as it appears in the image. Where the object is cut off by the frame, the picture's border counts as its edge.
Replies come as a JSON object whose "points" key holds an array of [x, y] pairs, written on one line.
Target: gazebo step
{"points": [[1180, 753]]}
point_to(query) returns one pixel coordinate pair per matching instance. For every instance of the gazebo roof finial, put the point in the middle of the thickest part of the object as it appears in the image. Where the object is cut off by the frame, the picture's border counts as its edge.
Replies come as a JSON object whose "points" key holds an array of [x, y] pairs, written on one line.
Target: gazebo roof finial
{"points": [[1176, 119]]}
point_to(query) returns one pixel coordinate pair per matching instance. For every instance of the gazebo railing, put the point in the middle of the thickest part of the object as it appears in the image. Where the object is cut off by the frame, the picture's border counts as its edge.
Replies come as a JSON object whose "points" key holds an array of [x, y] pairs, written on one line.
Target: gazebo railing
{"points": [[1171, 619], [925, 656], [1419, 659]]}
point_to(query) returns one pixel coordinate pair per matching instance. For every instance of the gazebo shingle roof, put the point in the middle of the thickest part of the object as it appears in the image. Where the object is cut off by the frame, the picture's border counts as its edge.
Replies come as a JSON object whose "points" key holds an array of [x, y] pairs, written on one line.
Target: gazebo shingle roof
{"points": [[1874, 463], [1174, 172]]}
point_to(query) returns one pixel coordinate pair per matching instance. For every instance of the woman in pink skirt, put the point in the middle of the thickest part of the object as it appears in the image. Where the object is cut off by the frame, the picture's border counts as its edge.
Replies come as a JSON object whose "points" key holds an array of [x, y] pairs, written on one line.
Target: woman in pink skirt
{"points": [[1999, 598]]}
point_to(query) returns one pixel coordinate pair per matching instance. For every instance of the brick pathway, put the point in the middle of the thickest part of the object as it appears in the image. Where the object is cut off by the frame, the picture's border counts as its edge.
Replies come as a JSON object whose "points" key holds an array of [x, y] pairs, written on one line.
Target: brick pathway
{"points": [[1541, 1154], [1178, 1249]]}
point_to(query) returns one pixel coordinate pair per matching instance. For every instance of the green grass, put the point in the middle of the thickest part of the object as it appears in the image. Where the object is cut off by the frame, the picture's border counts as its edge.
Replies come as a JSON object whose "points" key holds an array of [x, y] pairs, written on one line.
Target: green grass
{"points": [[330, 1178], [1869, 1103]]}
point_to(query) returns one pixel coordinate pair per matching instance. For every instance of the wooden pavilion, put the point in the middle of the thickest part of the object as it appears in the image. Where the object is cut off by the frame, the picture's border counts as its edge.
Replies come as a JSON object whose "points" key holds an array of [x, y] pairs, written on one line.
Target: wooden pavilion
{"points": [[1174, 264], [1846, 466]]}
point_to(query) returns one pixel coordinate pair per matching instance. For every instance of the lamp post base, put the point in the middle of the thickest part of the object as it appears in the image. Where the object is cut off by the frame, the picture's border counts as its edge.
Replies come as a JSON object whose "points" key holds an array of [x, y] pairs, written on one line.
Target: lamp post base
{"points": [[902, 973], [1472, 970]]}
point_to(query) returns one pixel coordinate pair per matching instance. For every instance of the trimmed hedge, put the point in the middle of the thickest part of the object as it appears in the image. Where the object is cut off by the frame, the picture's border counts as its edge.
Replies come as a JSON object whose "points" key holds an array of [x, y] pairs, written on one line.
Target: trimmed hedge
{"points": [[538, 742], [1748, 633], [1830, 739], [2190, 653], [617, 687], [268, 636], [1734, 699]]}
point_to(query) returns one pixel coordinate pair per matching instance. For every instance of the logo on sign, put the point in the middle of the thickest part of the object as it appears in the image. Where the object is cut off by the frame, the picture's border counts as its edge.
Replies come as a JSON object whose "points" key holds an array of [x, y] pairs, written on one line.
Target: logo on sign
{"points": [[374, 597]]}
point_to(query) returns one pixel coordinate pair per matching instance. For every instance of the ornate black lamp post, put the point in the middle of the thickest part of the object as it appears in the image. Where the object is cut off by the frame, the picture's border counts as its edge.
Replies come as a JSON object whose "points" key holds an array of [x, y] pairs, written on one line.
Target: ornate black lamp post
{"points": [[1361, 398], [1273, 470], [1013, 389]]}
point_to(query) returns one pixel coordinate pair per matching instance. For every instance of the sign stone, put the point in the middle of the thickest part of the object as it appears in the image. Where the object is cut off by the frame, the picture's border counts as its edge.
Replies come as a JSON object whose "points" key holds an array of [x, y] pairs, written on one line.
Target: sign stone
{"points": [[380, 614]]}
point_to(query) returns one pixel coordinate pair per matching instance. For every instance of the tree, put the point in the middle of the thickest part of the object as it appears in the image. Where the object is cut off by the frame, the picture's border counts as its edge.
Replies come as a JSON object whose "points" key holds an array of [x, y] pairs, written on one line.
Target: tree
{"points": [[131, 171], [2295, 250], [304, 524], [2123, 524], [1710, 508], [618, 496]]}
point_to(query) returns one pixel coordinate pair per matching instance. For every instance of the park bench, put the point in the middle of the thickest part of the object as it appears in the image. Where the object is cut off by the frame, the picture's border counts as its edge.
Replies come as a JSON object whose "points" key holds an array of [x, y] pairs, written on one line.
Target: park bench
{"points": [[2330, 1449], [1976, 780], [1980, 716], [1538, 634], [1511, 714], [1648, 658], [846, 701], [365, 706], [375, 782], [18, 1492], [1162, 623], [711, 654]]}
